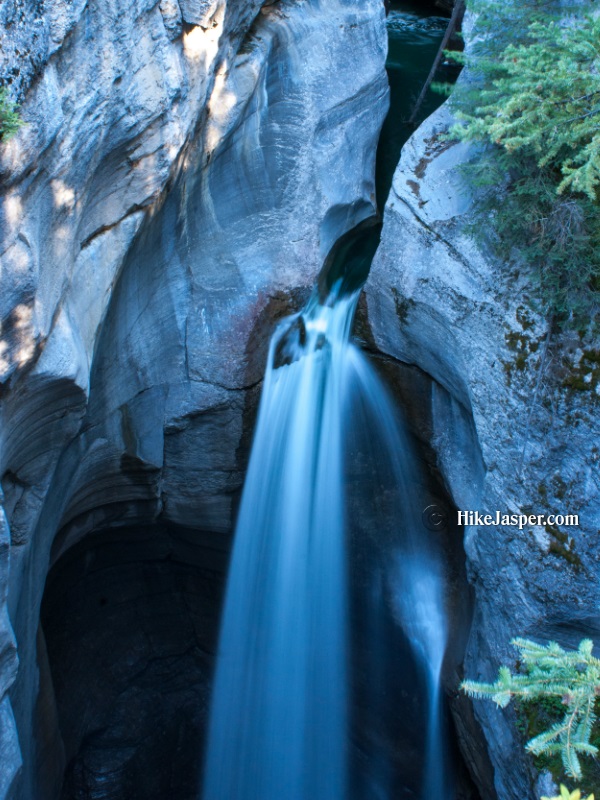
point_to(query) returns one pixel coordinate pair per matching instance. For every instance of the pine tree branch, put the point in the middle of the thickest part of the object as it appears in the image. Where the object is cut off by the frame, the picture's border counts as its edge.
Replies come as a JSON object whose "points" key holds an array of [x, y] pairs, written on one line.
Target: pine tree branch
{"points": [[551, 671]]}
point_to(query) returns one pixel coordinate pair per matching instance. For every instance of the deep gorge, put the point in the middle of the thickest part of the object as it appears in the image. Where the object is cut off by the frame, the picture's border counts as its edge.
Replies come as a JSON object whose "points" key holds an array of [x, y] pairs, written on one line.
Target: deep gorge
{"points": [[179, 188]]}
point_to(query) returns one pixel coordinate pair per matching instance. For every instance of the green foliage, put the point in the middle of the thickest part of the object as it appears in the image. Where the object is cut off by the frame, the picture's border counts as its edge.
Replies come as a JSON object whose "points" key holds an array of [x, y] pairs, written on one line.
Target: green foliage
{"points": [[10, 121], [549, 671], [543, 97], [565, 794], [533, 100]]}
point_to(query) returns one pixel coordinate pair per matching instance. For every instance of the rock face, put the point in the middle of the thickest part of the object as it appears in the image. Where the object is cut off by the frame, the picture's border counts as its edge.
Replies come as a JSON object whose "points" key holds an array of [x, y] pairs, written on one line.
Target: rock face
{"points": [[184, 170], [513, 419], [137, 656]]}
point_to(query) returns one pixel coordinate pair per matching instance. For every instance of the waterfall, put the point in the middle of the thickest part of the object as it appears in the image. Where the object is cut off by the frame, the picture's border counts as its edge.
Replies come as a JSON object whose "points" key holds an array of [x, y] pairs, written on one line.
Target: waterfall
{"points": [[419, 609], [415, 576], [279, 717]]}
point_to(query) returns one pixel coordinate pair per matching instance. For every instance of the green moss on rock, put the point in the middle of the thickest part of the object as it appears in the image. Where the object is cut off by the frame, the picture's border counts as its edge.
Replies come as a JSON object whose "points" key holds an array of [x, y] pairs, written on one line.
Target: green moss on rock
{"points": [[584, 375], [561, 546], [403, 305]]}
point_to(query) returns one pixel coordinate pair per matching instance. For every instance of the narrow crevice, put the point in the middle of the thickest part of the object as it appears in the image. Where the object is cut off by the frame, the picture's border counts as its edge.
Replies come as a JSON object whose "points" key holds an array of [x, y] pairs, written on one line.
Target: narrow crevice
{"points": [[130, 614], [415, 31]]}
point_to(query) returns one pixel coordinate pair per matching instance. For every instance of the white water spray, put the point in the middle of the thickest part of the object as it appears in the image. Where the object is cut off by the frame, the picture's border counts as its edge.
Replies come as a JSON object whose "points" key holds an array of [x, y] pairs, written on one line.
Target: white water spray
{"points": [[415, 577], [278, 725]]}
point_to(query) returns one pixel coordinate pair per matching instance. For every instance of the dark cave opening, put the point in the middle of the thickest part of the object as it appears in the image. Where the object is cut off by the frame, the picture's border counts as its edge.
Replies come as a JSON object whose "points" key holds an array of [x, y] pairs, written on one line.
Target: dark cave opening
{"points": [[130, 618], [130, 615]]}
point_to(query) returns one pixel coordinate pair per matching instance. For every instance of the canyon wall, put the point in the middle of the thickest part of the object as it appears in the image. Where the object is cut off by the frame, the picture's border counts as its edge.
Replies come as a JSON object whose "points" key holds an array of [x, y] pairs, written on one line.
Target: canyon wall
{"points": [[183, 171], [513, 419]]}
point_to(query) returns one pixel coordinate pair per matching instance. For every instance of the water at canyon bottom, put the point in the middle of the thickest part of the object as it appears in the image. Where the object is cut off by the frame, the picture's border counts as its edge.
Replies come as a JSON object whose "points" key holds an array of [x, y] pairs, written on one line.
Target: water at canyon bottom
{"points": [[280, 708]]}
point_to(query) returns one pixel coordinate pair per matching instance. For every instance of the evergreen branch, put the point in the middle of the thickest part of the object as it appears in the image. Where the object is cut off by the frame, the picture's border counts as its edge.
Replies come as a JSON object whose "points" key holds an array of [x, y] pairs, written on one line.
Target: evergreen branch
{"points": [[565, 794], [10, 121], [551, 671], [532, 97]]}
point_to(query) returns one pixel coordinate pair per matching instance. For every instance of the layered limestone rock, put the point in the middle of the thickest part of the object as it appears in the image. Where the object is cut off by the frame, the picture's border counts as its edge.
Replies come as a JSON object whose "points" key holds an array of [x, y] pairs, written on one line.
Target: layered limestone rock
{"points": [[512, 416], [183, 172]]}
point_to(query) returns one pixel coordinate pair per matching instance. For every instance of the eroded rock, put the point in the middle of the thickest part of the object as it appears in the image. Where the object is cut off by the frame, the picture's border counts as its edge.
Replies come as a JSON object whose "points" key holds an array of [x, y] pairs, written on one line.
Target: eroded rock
{"points": [[183, 171], [511, 433]]}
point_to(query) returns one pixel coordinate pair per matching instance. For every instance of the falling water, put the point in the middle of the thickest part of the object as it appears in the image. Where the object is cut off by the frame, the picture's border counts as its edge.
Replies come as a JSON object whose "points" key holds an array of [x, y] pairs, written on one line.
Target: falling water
{"points": [[419, 608], [278, 725], [415, 575]]}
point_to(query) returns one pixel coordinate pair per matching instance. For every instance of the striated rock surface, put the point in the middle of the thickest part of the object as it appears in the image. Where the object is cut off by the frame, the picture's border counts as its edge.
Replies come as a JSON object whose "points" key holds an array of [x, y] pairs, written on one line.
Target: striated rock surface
{"points": [[513, 420], [184, 170]]}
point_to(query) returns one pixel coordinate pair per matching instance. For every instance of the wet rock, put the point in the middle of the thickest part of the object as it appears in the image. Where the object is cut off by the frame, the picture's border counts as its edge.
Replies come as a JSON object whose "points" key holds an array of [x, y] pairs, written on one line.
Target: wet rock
{"points": [[439, 300], [183, 171]]}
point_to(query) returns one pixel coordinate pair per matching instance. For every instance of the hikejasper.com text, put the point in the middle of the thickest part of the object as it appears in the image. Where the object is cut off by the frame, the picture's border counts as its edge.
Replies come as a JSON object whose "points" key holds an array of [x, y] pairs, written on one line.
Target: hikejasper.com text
{"points": [[519, 521]]}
